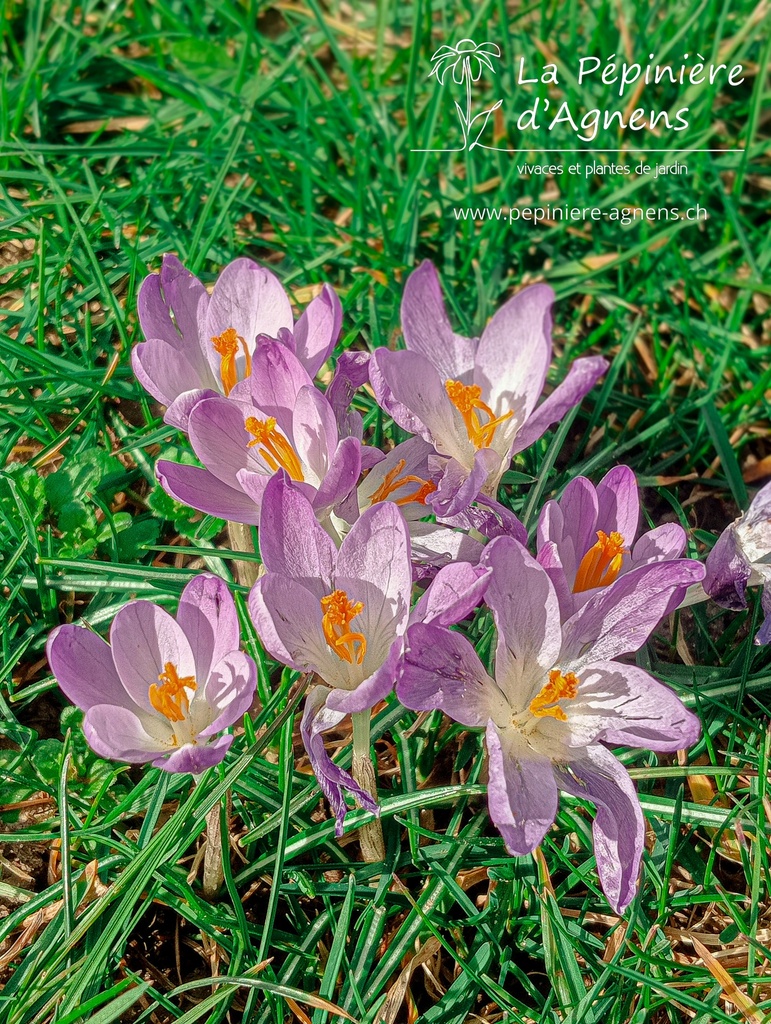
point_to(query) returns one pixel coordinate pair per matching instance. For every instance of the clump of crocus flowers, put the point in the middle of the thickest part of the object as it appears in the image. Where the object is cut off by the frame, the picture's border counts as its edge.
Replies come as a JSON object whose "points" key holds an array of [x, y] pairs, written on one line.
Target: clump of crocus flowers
{"points": [[371, 559]]}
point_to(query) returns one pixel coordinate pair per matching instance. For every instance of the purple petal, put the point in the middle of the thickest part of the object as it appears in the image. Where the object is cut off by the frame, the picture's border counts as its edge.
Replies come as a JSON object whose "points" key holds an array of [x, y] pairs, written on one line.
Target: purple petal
{"points": [[434, 545], [277, 378], [581, 378], [763, 636], [84, 669], [178, 413], [208, 618], [318, 329], [426, 326], [174, 291], [414, 396], [314, 430], [371, 690], [454, 593], [351, 373], [340, 479], [665, 543], [619, 828], [228, 693], [332, 779], [124, 735], [164, 371], [727, 572], [527, 617], [195, 757], [220, 439], [441, 669], [287, 618], [490, 518], [622, 705], [515, 351], [573, 525], [521, 791], [457, 488], [619, 619], [292, 542], [549, 556], [200, 489], [618, 503]]}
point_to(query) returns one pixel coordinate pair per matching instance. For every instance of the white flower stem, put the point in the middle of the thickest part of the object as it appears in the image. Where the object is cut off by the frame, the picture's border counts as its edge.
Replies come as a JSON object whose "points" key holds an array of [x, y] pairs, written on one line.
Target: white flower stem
{"points": [[247, 573], [213, 875], [363, 772]]}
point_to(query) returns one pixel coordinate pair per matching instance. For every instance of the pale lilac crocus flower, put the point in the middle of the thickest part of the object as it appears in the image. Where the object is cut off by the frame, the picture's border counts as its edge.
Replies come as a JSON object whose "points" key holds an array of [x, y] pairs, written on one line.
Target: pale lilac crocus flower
{"points": [[556, 701], [741, 558], [586, 540], [164, 689], [200, 345], [287, 424], [474, 399]]}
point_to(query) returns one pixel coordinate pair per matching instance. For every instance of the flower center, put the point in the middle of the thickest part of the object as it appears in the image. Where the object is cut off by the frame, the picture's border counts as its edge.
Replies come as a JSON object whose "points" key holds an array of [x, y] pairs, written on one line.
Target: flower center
{"points": [[392, 482], [601, 564], [559, 687], [170, 698], [467, 399], [336, 621], [226, 346], [275, 449]]}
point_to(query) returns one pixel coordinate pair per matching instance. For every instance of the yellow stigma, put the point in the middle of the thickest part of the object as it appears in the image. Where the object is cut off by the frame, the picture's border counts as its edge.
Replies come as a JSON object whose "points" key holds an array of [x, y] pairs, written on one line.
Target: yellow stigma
{"points": [[338, 612], [275, 449], [601, 564], [226, 346], [467, 399], [170, 698], [392, 482], [559, 687]]}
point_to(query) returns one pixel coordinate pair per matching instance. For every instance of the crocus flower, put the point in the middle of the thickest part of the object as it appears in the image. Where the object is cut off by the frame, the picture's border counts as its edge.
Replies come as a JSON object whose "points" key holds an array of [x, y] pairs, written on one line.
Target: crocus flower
{"points": [[555, 702], [475, 399], [741, 558], [199, 345], [287, 425], [586, 540], [163, 689]]}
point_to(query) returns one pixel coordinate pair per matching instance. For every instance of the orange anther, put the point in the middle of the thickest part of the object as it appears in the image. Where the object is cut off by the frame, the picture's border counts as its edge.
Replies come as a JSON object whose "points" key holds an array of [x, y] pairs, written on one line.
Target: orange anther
{"points": [[467, 399], [226, 346], [275, 449], [559, 687], [602, 563], [170, 697], [392, 482], [338, 612]]}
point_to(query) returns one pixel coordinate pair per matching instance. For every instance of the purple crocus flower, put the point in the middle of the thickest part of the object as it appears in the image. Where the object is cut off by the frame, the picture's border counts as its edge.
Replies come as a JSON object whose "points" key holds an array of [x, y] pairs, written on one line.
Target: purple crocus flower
{"points": [[199, 345], [287, 425], [338, 614], [586, 540], [741, 558], [557, 700], [163, 689], [474, 399]]}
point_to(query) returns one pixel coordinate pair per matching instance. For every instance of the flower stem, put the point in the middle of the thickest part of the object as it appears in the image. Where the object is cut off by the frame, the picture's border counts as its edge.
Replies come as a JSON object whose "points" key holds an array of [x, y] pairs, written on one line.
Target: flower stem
{"points": [[213, 875], [363, 771], [240, 536]]}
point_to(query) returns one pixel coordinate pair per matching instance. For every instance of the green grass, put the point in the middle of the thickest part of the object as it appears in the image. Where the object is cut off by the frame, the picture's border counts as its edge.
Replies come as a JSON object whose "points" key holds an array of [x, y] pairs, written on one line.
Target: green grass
{"points": [[286, 133]]}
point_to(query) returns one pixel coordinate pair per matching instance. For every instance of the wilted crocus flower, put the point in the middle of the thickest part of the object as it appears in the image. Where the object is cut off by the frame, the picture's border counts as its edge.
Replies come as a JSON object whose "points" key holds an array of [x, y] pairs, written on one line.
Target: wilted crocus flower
{"points": [[199, 345], [741, 558], [338, 614], [288, 425], [586, 540], [474, 399], [556, 701], [163, 689]]}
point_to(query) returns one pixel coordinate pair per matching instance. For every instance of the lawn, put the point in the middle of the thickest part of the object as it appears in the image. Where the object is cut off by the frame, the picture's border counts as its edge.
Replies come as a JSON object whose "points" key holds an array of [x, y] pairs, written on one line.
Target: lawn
{"points": [[300, 134]]}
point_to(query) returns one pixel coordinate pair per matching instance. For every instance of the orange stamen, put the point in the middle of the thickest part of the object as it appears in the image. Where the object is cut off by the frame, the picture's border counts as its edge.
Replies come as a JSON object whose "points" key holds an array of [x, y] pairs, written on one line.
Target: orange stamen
{"points": [[170, 698], [226, 346], [392, 482], [559, 687], [467, 399], [601, 564], [276, 450], [338, 612]]}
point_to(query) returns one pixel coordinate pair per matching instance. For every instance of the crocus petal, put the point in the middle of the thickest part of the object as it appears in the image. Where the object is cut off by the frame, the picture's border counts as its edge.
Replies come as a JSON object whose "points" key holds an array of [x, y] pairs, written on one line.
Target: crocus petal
{"points": [[318, 329], [371, 690], [287, 618], [441, 669], [117, 732], [521, 791], [454, 593], [313, 430], [434, 545], [618, 503], [664, 543], [619, 828], [620, 618], [581, 378], [292, 542], [200, 489], [332, 779], [573, 525], [82, 663], [144, 638], [377, 551], [195, 757], [351, 373], [208, 618], [458, 488], [164, 371], [228, 693], [550, 557], [763, 635], [526, 612], [277, 377], [426, 326], [219, 437], [340, 478], [490, 518], [386, 399], [515, 351], [178, 413], [622, 705], [727, 572], [179, 292]]}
